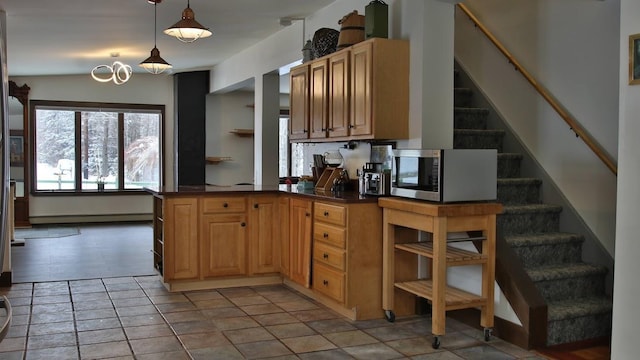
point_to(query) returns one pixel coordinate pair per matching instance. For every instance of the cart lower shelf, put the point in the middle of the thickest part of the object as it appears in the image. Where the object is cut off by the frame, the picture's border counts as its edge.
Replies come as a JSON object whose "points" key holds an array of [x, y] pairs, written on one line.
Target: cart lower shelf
{"points": [[455, 299]]}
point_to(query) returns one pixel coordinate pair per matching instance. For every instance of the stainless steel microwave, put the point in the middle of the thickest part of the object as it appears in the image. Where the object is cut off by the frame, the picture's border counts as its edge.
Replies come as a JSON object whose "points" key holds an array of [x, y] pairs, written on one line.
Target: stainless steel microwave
{"points": [[448, 175]]}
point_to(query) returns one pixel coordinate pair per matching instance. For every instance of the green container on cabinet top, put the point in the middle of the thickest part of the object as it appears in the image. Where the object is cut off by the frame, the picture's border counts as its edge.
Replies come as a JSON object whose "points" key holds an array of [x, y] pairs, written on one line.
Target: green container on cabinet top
{"points": [[376, 20]]}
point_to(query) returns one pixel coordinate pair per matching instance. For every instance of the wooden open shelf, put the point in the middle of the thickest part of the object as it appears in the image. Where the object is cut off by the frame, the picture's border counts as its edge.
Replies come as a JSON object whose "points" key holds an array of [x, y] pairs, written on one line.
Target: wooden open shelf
{"points": [[454, 255], [217, 159], [455, 299], [242, 132]]}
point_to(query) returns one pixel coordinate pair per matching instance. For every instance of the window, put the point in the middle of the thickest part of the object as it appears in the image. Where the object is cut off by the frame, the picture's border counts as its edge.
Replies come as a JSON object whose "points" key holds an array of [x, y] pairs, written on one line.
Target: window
{"points": [[89, 147]]}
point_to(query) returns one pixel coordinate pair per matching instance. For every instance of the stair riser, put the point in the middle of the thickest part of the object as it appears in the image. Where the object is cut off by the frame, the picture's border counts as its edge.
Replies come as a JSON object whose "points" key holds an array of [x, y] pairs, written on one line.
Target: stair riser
{"points": [[578, 329], [490, 141], [571, 288], [545, 255], [528, 223], [462, 97], [508, 168], [467, 119], [519, 194]]}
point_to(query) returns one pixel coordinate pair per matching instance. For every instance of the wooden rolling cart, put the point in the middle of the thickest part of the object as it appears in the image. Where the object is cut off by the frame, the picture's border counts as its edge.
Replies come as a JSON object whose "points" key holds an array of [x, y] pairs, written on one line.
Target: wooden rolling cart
{"points": [[402, 218]]}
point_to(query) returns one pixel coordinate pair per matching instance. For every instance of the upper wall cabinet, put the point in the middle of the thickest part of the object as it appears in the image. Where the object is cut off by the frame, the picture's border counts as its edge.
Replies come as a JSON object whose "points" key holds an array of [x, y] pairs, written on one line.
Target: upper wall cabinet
{"points": [[357, 93]]}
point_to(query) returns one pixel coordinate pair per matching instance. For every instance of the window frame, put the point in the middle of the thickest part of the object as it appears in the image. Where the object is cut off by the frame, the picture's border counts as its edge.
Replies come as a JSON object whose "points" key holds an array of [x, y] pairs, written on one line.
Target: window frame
{"points": [[78, 107]]}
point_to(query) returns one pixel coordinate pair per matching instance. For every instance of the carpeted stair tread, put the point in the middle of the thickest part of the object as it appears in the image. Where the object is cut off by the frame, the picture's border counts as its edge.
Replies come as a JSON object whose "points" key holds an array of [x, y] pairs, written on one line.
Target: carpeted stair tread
{"points": [[565, 271], [543, 239], [519, 181], [531, 208], [462, 97], [573, 308]]}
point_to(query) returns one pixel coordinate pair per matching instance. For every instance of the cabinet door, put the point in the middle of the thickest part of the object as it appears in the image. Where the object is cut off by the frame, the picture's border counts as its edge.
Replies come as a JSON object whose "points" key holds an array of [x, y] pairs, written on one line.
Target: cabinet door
{"points": [[361, 89], [318, 105], [339, 95], [300, 233], [180, 239], [285, 251], [224, 238], [264, 241], [299, 103]]}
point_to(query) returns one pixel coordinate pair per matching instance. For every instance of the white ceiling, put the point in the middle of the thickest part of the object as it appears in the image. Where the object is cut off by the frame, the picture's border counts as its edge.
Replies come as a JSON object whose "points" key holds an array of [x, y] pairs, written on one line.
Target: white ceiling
{"points": [[62, 37]]}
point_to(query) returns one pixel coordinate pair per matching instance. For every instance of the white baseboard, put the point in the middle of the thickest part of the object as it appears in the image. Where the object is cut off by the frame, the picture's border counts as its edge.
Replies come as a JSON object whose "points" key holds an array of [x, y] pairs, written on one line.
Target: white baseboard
{"points": [[75, 219]]}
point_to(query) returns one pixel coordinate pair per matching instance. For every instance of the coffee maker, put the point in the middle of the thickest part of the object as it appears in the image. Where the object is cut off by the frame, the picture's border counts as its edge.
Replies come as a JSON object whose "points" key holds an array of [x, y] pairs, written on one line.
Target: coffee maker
{"points": [[373, 180]]}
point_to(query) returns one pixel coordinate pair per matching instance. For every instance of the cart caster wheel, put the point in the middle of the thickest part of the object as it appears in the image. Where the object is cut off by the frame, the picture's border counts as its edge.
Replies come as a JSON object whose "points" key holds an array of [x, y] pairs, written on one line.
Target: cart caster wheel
{"points": [[436, 342], [389, 315], [487, 334]]}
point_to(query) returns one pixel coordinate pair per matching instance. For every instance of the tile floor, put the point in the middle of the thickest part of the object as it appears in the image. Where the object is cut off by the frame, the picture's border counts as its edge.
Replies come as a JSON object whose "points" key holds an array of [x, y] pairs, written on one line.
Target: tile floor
{"points": [[137, 318]]}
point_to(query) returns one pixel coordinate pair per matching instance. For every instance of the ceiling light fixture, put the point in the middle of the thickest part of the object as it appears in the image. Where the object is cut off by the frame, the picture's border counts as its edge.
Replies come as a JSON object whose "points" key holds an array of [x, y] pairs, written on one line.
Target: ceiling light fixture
{"points": [[118, 72], [188, 29], [154, 63]]}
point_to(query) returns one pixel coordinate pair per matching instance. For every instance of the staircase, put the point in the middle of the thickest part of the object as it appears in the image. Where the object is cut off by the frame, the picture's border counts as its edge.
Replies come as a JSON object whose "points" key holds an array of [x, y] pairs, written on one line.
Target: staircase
{"points": [[578, 307]]}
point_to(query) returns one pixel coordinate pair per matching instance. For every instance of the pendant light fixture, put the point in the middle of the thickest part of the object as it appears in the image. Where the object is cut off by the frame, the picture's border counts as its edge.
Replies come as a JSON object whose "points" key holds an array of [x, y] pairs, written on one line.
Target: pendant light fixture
{"points": [[188, 29], [118, 72], [154, 63]]}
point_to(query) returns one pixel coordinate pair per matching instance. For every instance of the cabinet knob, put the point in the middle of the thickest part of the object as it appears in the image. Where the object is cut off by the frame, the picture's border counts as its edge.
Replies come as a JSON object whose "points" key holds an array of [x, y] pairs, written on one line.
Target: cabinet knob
{"points": [[225, 205], [325, 235], [243, 224], [351, 126], [330, 129], [325, 282], [325, 256], [255, 206], [307, 214], [305, 131], [326, 213], [324, 129]]}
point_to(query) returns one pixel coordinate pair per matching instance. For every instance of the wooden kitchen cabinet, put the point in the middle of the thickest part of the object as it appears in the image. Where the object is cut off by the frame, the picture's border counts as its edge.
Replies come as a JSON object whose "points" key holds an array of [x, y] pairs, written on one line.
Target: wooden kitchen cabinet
{"points": [[357, 93], [318, 99], [264, 242], [285, 239], [181, 260], [299, 103], [347, 257], [300, 240], [223, 237]]}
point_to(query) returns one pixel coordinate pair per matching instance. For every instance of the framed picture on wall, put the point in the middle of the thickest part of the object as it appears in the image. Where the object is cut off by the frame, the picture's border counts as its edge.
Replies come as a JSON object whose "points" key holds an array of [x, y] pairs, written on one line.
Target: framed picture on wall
{"points": [[634, 59], [16, 148]]}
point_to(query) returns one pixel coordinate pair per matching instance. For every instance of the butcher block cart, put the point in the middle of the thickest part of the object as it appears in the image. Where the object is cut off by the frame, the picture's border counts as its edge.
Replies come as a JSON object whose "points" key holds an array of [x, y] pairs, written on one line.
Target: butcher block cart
{"points": [[402, 218]]}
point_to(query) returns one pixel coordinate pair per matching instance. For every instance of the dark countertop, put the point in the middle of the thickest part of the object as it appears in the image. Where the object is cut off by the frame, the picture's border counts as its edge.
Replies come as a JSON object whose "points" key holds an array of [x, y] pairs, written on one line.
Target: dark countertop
{"points": [[200, 190]]}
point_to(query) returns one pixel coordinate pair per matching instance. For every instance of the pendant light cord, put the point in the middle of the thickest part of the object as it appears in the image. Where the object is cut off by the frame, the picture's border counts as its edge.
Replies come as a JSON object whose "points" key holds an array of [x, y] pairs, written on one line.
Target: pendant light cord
{"points": [[155, 23]]}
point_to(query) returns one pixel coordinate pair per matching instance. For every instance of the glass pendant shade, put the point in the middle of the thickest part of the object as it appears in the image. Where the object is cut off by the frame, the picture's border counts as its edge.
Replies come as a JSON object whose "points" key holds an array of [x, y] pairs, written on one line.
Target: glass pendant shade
{"points": [[188, 29], [154, 63]]}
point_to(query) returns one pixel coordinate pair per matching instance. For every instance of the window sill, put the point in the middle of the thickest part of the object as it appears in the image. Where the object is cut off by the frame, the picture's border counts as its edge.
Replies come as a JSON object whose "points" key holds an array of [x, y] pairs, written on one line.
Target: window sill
{"points": [[88, 192]]}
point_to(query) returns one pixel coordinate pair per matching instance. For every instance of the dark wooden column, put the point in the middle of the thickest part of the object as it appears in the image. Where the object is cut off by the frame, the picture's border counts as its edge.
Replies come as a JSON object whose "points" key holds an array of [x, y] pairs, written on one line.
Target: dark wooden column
{"points": [[191, 89]]}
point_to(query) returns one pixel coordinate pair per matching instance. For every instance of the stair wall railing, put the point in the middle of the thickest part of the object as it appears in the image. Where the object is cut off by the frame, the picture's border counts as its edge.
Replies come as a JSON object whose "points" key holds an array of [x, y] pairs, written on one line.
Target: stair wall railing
{"points": [[574, 125]]}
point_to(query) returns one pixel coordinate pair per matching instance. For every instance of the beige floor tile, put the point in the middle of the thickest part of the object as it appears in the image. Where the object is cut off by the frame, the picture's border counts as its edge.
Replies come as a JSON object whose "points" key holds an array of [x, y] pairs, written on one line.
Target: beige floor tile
{"points": [[148, 331], [389, 333], [224, 312], [412, 347], [171, 355], [44, 318], [20, 320], [203, 295], [13, 355], [93, 305], [194, 327], [105, 350], [50, 292], [249, 300], [241, 322], [51, 328], [98, 324], [335, 354], [90, 296], [313, 315], [263, 349], [297, 305], [119, 280], [51, 308], [95, 314], [17, 331], [290, 330], [20, 310], [242, 336], [169, 299], [351, 338], [261, 309], [183, 316], [237, 292], [227, 352], [101, 336], [131, 302], [204, 340], [126, 294], [21, 301], [67, 352], [213, 304], [52, 340], [275, 319], [376, 351], [126, 286], [155, 345], [176, 307], [52, 299], [139, 320], [12, 344], [304, 344], [137, 310], [331, 325]]}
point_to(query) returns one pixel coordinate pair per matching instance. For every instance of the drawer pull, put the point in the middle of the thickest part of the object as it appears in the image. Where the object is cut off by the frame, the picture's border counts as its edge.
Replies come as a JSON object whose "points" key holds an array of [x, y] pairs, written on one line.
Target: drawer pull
{"points": [[325, 282], [225, 205], [307, 214], [326, 213], [243, 224], [255, 206], [325, 235], [325, 256]]}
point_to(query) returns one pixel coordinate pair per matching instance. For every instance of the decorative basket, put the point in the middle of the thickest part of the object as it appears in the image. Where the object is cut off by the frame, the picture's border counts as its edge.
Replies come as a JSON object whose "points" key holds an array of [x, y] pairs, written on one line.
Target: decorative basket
{"points": [[325, 41], [352, 30]]}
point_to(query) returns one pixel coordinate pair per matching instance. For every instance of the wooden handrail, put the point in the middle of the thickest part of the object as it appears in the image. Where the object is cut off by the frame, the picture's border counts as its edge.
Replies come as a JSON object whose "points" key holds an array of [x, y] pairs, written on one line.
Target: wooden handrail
{"points": [[573, 123]]}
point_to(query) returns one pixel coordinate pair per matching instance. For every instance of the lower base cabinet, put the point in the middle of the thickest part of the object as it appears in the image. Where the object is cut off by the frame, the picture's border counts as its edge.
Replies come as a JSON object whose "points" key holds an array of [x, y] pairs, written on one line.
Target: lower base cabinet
{"points": [[300, 241], [223, 244]]}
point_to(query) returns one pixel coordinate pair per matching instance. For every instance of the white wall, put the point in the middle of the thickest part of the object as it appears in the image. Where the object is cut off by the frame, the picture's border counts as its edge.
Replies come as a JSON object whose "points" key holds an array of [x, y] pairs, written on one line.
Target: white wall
{"points": [[141, 89], [626, 290], [563, 48]]}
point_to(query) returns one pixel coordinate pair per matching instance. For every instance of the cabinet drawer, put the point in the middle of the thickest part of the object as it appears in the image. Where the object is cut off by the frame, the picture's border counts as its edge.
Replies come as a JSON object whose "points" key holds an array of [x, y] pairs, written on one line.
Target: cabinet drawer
{"points": [[328, 282], [330, 234], [328, 255], [223, 204], [333, 214]]}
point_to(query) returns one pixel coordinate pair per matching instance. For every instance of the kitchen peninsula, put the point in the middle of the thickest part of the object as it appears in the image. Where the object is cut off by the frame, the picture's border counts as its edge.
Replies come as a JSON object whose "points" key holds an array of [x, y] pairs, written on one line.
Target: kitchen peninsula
{"points": [[328, 246]]}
